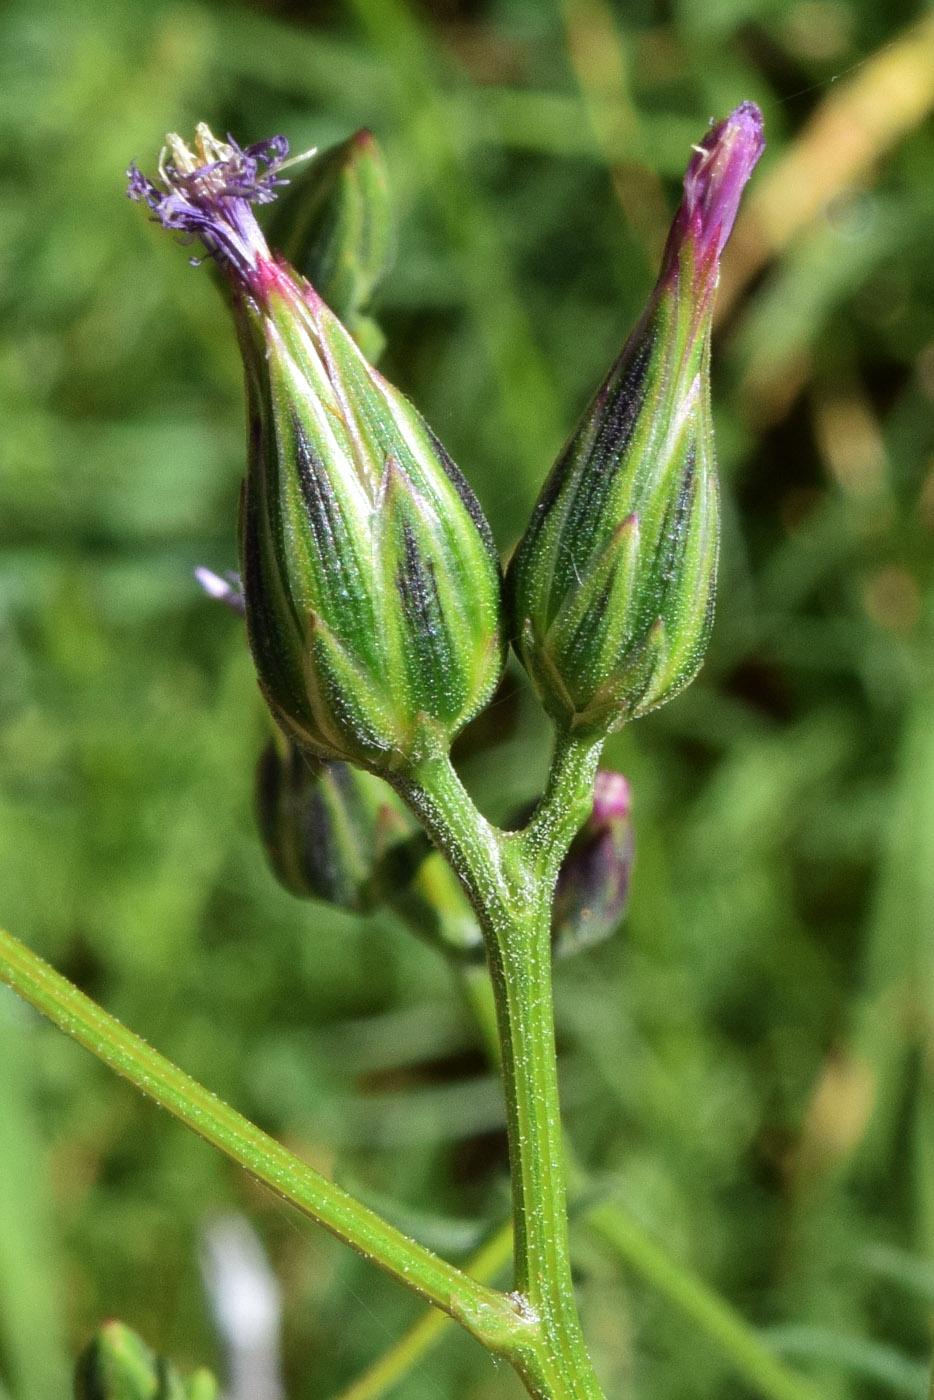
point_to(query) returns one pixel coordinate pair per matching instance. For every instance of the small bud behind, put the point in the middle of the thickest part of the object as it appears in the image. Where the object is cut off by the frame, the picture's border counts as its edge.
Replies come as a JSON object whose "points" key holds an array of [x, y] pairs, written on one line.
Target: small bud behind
{"points": [[593, 883], [117, 1365], [334, 225], [424, 893], [327, 828], [339, 834]]}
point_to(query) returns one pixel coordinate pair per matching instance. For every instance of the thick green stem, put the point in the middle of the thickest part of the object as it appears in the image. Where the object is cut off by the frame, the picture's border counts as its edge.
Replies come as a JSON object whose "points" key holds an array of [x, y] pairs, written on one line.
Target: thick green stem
{"points": [[510, 879]]}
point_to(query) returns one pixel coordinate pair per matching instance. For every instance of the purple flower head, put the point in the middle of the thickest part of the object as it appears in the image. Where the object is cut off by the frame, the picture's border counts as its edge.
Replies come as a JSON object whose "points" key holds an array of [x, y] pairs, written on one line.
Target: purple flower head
{"points": [[208, 193], [713, 185]]}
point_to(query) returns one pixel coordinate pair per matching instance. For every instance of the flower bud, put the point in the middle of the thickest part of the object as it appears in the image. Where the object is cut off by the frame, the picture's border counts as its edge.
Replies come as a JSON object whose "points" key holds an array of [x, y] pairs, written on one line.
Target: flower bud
{"points": [[372, 585], [335, 226], [117, 1365], [327, 827], [593, 883], [611, 589]]}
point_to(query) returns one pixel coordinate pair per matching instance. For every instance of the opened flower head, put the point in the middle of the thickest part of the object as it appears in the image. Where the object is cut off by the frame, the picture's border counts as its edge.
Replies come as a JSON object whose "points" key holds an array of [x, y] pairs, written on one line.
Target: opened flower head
{"points": [[207, 191], [358, 534]]}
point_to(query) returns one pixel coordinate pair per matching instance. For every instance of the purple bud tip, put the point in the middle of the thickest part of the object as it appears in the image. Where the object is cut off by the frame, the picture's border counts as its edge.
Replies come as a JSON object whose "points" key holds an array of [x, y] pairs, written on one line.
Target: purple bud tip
{"points": [[716, 177], [612, 797], [207, 191]]}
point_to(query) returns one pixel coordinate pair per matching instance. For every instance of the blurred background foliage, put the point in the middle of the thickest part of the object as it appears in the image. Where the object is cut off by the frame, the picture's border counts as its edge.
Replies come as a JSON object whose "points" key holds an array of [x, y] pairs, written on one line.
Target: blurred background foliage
{"points": [[749, 1063]]}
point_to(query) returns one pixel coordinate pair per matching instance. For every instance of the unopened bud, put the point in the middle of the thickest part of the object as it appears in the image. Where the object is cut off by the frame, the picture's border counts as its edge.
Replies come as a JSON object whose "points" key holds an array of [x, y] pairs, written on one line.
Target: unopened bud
{"points": [[612, 587], [423, 891], [327, 827], [593, 883], [117, 1365]]}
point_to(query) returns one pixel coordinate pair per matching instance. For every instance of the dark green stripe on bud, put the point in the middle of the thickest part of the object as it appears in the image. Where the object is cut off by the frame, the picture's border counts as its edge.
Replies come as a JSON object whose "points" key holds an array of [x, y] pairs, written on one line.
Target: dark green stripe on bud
{"points": [[611, 589], [371, 580], [327, 827]]}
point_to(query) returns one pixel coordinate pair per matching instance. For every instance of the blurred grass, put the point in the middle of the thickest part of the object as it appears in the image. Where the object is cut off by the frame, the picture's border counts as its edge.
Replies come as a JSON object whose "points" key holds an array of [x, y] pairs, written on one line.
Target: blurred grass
{"points": [[750, 1062]]}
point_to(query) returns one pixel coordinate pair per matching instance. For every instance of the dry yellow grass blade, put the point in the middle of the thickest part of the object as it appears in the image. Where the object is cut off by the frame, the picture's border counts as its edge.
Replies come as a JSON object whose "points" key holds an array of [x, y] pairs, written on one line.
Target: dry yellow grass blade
{"points": [[862, 117]]}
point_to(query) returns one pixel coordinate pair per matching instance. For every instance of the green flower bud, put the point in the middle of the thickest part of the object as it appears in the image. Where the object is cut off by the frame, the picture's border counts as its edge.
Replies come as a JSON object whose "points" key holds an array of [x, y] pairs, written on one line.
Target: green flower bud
{"points": [[593, 883], [611, 589], [334, 225], [327, 828], [372, 585], [371, 582], [340, 834], [117, 1365]]}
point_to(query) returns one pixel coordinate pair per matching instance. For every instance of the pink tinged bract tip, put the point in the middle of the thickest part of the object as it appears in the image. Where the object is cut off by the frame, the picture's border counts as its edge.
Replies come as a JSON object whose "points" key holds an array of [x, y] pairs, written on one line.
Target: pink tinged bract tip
{"points": [[716, 177], [612, 797]]}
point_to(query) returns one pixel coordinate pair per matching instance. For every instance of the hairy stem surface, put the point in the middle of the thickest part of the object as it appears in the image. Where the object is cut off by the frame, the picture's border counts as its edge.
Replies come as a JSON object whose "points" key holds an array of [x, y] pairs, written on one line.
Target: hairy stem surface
{"points": [[510, 879]]}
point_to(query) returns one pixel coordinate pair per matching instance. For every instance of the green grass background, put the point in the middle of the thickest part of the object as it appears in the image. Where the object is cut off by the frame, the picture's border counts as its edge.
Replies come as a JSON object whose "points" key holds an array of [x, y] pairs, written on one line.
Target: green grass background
{"points": [[749, 1062]]}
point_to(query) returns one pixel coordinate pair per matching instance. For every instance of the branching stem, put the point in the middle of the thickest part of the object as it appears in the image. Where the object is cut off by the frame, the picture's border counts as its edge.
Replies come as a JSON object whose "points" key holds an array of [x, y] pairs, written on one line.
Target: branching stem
{"points": [[509, 878]]}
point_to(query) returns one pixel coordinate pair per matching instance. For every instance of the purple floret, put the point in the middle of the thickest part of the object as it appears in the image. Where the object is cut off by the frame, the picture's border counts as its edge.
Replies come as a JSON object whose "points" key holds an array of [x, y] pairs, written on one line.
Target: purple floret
{"points": [[719, 171], [213, 201], [713, 185]]}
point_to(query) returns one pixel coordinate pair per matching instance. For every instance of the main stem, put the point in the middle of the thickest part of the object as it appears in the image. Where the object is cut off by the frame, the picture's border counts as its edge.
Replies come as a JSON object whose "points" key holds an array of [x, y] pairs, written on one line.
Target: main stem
{"points": [[510, 879]]}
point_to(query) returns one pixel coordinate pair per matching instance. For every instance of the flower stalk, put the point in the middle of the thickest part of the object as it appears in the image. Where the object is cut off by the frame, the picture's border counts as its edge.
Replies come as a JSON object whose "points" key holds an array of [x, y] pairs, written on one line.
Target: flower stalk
{"points": [[510, 878]]}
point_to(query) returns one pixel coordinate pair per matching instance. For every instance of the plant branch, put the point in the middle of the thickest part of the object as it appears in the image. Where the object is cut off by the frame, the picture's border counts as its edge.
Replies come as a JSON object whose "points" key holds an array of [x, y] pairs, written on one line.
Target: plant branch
{"points": [[487, 1314], [509, 878]]}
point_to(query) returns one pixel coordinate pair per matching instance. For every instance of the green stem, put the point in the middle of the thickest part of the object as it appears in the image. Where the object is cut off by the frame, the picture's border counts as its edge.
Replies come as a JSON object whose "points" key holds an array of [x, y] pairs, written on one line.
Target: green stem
{"points": [[490, 1316], [510, 881], [751, 1356]]}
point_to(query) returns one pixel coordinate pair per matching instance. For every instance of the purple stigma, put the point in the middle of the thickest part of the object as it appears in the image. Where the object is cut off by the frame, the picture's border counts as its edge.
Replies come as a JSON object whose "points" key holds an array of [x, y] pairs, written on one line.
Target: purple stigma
{"points": [[208, 192]]}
